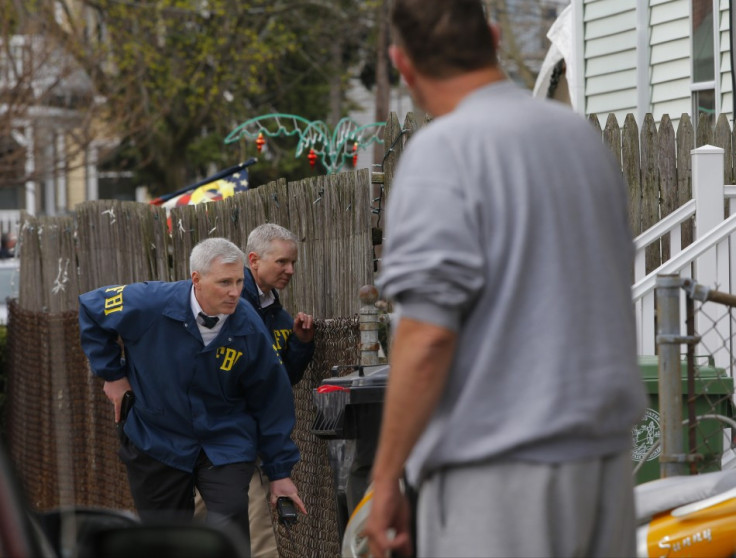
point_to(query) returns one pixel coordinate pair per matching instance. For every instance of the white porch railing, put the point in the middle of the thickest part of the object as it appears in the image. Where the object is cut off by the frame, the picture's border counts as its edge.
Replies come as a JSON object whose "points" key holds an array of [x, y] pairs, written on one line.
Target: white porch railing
{"points": [[710, 259]]}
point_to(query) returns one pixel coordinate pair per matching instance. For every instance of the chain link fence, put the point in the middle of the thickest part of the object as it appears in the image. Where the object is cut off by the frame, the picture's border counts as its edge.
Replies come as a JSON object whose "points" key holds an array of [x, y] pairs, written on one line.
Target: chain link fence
{"points": [[689, 425], [60, 426]]}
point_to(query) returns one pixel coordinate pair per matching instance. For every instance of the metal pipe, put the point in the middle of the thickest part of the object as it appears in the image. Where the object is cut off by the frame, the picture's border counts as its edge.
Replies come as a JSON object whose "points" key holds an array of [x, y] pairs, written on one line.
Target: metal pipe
{"points": [[672, 458], [692, 424]]}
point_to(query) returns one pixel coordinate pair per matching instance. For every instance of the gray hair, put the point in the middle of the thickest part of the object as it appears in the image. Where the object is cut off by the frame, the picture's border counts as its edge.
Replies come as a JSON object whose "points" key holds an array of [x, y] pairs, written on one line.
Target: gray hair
{"points": [[210, 249], [260, 238]]}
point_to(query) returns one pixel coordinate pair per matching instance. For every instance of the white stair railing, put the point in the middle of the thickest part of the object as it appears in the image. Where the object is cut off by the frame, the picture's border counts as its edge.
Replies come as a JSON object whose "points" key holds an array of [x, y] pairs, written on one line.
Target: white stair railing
{"points": [[710, 259]]}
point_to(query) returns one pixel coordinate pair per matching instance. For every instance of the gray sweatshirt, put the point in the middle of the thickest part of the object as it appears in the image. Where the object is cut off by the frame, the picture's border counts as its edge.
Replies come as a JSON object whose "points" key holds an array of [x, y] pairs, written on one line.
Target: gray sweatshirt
{"points": [[507, 223]]}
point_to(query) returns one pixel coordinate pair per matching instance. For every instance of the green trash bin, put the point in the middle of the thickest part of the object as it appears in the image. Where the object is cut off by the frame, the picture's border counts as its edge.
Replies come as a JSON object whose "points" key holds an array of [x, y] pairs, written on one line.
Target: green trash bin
{"points": [[713, 388]]}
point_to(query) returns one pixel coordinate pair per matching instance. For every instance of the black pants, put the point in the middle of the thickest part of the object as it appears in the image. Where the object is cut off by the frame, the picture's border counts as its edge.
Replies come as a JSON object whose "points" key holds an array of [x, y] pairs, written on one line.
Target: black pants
{"points": [[164, 494]]}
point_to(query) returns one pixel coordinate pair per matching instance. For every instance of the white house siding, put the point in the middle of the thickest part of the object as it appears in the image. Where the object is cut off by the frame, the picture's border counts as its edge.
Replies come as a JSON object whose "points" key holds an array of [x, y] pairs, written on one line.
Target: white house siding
{"points": [[610, 57], [670, 48], [626, 79], [614, 99], [637, 58], [726, 84]]}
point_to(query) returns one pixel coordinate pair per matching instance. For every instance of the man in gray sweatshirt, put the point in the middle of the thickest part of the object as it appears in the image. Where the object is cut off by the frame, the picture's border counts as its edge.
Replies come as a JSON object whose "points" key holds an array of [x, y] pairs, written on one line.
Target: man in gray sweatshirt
{"points": [[514, 384]]}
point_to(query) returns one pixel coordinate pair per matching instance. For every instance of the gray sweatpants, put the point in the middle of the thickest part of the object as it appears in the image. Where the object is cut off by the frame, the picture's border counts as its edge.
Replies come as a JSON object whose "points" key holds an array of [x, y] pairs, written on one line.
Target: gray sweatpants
{"points": [[519, 509]]}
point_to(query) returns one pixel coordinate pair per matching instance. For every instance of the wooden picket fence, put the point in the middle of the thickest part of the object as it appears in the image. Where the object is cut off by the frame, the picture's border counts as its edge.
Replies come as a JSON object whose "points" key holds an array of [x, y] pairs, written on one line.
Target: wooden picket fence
{"points": [[656, 163], [118, 242]]}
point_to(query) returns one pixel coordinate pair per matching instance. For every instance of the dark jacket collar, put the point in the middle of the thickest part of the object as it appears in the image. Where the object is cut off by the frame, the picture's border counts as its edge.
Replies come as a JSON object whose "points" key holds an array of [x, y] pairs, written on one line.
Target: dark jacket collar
{"points": [[250, 290]]}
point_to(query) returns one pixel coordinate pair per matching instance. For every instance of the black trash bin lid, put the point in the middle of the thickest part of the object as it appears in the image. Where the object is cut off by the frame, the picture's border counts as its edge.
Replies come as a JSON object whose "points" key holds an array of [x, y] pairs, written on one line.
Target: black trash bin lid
{"points": [[364, 376]]}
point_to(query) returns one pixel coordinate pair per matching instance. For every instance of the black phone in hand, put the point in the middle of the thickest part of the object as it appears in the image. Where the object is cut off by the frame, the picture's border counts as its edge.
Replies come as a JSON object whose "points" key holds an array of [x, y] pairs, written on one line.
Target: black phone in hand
{"points": [[286, 510]]}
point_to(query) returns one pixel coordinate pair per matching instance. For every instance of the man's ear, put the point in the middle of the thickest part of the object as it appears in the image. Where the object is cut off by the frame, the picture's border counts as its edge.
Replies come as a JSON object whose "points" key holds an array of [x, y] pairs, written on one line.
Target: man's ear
{"points": [[252, 259], [496, 34], [403, 64]]}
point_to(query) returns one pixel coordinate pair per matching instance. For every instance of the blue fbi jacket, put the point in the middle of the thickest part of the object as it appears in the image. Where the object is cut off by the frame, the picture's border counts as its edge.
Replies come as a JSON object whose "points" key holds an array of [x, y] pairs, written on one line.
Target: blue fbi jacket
{"points": [[295, 355], [231, 398]]}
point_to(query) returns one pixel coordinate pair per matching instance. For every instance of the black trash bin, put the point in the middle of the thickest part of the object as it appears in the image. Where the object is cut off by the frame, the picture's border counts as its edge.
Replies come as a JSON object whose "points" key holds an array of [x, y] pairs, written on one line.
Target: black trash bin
{"points": [[349, 408]]}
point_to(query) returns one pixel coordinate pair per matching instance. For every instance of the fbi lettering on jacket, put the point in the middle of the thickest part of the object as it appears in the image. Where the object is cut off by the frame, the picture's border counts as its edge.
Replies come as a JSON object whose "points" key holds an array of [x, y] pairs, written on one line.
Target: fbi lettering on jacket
{"points": [[114, 302]]}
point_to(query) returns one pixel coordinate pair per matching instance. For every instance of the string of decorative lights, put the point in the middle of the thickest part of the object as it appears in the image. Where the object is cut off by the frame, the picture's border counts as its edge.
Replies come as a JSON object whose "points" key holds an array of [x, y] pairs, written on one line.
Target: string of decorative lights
{"points": [[332, 148]]}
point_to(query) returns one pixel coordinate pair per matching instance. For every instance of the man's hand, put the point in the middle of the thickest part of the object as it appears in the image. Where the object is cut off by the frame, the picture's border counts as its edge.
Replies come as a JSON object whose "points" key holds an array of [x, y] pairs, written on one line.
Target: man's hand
{"points": [[115, 391], [286, 487], [421, 354], [389, 511], [304, 327]]}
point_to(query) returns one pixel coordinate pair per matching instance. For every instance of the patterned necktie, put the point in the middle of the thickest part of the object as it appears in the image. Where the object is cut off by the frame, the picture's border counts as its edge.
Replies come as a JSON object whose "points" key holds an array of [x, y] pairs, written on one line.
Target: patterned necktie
{"points": [[208, 321]]}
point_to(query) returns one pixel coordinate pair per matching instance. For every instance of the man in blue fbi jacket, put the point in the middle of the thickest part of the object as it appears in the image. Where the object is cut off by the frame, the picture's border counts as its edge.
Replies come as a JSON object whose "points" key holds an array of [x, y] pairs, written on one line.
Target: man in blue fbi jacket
{"points": [[210, 391], [272, 254]]}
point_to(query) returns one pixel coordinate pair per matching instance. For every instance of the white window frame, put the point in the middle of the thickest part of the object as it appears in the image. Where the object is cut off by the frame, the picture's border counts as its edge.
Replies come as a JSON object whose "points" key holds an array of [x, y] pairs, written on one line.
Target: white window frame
{"points": [[713, 84]]}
